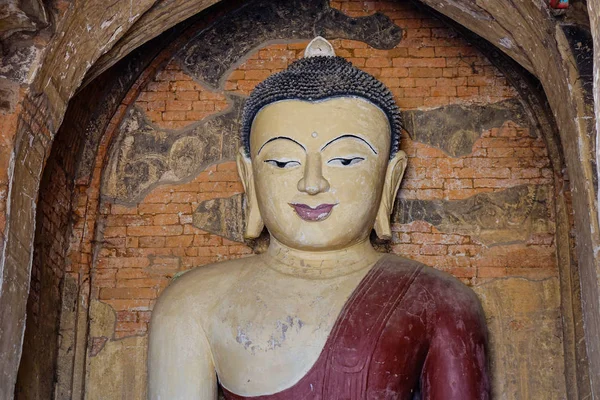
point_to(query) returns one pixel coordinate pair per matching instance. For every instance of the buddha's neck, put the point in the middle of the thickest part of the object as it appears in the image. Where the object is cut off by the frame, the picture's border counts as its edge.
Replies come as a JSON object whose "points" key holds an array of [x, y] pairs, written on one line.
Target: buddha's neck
{"points": [[320, 264]]}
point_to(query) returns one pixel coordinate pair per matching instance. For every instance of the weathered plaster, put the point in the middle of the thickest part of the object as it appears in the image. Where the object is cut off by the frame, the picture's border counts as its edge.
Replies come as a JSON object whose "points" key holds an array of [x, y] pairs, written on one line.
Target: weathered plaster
{"points": [[594, 15], [527, 311], [21, 16], [120, 362], [215, 51], [461, 124]]}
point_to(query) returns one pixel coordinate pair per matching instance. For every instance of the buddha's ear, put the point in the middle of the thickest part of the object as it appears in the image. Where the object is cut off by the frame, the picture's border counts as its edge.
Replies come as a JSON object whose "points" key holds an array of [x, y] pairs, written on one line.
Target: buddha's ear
{"points": [[254, 221], [393, 177]]}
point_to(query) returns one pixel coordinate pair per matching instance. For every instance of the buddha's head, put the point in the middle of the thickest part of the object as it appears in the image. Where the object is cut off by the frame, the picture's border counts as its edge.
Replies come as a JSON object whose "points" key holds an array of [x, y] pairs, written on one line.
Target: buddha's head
{"points": [[320, 162]]}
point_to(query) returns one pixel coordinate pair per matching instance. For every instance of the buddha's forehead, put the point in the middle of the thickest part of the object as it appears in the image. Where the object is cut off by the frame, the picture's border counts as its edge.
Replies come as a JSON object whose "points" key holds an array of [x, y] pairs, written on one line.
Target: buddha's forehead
{"points": [[313, 123]]}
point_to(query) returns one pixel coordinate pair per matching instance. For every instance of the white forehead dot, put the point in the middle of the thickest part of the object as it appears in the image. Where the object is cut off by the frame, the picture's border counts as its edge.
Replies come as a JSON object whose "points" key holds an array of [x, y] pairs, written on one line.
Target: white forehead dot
{"points": [[314, 134]]}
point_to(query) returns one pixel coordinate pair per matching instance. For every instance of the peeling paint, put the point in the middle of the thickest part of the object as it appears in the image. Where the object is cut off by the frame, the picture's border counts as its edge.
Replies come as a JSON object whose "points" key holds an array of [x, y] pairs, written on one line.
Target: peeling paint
{"points": [[506, 42]]}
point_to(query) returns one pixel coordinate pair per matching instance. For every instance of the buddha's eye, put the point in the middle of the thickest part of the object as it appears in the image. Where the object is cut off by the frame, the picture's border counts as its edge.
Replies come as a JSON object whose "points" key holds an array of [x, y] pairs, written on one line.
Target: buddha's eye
{"points": [[345, 162], [283, 164]]}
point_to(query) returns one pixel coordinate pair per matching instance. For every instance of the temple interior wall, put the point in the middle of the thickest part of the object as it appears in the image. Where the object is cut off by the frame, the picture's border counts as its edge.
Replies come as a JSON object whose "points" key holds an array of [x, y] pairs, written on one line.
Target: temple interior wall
{"points": [[160, 195]]}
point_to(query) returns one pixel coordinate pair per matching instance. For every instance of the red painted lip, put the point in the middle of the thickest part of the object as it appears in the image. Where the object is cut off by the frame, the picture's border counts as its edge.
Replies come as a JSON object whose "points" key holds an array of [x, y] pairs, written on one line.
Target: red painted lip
{"points": [[308, 213]]}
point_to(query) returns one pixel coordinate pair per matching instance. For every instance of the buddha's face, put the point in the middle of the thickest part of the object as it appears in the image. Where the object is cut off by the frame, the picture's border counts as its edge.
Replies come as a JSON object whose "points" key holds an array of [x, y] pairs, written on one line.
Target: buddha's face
{"points": [[319, 169]]}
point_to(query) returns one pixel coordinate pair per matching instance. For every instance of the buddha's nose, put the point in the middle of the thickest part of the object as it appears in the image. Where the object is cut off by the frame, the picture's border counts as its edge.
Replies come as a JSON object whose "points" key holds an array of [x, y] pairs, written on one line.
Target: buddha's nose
{"points": [[313, 181]]}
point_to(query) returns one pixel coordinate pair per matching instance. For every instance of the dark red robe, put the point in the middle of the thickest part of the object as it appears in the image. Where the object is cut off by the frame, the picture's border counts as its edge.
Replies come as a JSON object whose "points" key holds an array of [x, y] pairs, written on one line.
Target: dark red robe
{"points": [[407, 332]]}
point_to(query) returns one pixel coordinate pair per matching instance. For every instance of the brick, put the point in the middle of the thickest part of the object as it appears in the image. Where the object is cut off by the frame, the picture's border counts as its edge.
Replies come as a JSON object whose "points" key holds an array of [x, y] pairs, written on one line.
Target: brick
{"points": [[481, 172], [154, 116], [158, 196], [463, 272], [169, 230], [406, 249], [171, 208], [415, 226], [478, 81], [430, 152], [443, 91], [456, 184], [407, 82], [424, 82], [131, 273], [349, 44], [166, 219], [421, 52], [526, 173], [127, 293], [501, 152], [418, 33], [144, 316], [129, 304], [239, 249], [498, 183], [174, 116], [421, 72], [131, 242], [118, 209], [433, 249], [379, 62], [395, 72], [437, 238], [257, 75], [416, 92], [227, 166], [357, 61], [224, 176], [178, 105], [491, 272], [157, 87], [159, 282], [105, 277], [423, 183], [179, 241], [127, 316], [464, 250], [122, 262], [192, 116], [186, 96], [462, 91], [114, 231], [152, 241]]}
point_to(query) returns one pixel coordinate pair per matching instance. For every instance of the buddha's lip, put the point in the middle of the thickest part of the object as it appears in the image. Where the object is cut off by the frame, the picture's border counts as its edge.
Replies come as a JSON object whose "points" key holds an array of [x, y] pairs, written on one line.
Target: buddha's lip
{"points": [[308, 213]]}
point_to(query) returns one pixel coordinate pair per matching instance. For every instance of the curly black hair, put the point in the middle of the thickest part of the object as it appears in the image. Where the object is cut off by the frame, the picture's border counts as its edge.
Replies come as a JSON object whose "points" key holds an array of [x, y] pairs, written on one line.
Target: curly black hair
{"points": [[318, 78]]}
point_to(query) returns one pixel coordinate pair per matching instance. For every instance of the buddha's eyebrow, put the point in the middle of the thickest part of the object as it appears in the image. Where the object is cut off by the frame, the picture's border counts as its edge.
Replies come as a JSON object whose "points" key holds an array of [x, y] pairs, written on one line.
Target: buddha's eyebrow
{"points": [[349, 136], [280, 137]]}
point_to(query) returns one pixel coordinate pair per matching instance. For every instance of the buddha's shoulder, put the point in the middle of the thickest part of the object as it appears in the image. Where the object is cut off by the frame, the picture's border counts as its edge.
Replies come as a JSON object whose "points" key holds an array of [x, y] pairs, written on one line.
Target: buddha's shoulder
{"points": [[441, 285], [204, 285]]}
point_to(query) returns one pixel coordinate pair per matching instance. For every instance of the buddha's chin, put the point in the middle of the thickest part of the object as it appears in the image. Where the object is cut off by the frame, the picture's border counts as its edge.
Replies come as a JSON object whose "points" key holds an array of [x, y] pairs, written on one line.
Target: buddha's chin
{"points": [[311, 238]]}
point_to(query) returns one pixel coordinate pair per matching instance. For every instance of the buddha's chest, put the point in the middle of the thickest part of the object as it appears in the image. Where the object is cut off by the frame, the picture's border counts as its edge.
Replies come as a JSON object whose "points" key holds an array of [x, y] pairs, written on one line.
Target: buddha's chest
{"points": [[267, 334]]}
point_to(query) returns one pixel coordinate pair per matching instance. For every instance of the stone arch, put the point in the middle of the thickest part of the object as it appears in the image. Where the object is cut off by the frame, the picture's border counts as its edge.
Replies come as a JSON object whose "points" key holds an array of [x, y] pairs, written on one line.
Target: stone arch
{"points": [[44, 109]]}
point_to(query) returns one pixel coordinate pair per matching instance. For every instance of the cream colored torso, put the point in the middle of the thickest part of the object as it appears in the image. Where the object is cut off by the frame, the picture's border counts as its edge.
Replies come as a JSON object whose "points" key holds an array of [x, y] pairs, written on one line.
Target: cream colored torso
{"points": [[262, 328]]}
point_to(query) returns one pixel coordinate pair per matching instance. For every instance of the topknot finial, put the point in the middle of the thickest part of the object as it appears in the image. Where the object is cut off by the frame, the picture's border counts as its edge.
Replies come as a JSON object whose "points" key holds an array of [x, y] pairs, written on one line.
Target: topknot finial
{"points": [[319, 46]]}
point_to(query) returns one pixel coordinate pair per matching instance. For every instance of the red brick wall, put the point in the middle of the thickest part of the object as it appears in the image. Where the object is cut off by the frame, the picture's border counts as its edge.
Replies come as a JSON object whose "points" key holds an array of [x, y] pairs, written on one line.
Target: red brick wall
{"points": [[144, 246], [141, 248]]}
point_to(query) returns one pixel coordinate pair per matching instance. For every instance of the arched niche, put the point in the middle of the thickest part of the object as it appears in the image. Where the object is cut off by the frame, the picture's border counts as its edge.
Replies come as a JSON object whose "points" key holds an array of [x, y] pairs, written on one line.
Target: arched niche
{"points": [[31, 159]]}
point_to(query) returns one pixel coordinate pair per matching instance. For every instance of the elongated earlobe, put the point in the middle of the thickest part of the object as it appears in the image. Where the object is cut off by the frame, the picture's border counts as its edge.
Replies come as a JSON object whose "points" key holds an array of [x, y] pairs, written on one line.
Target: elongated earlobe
{"points": [[254, 221], [393, 177]]}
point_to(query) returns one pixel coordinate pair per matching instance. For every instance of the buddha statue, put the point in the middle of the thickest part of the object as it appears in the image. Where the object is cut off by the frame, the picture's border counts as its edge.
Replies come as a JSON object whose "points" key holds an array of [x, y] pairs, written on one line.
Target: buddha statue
{"points": [[320, 314]]}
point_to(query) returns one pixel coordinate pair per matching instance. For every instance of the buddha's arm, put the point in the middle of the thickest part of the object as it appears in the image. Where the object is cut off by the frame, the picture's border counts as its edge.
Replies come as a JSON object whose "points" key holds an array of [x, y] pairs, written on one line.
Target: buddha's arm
{"points": [[456, 364], [180, 364]]}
